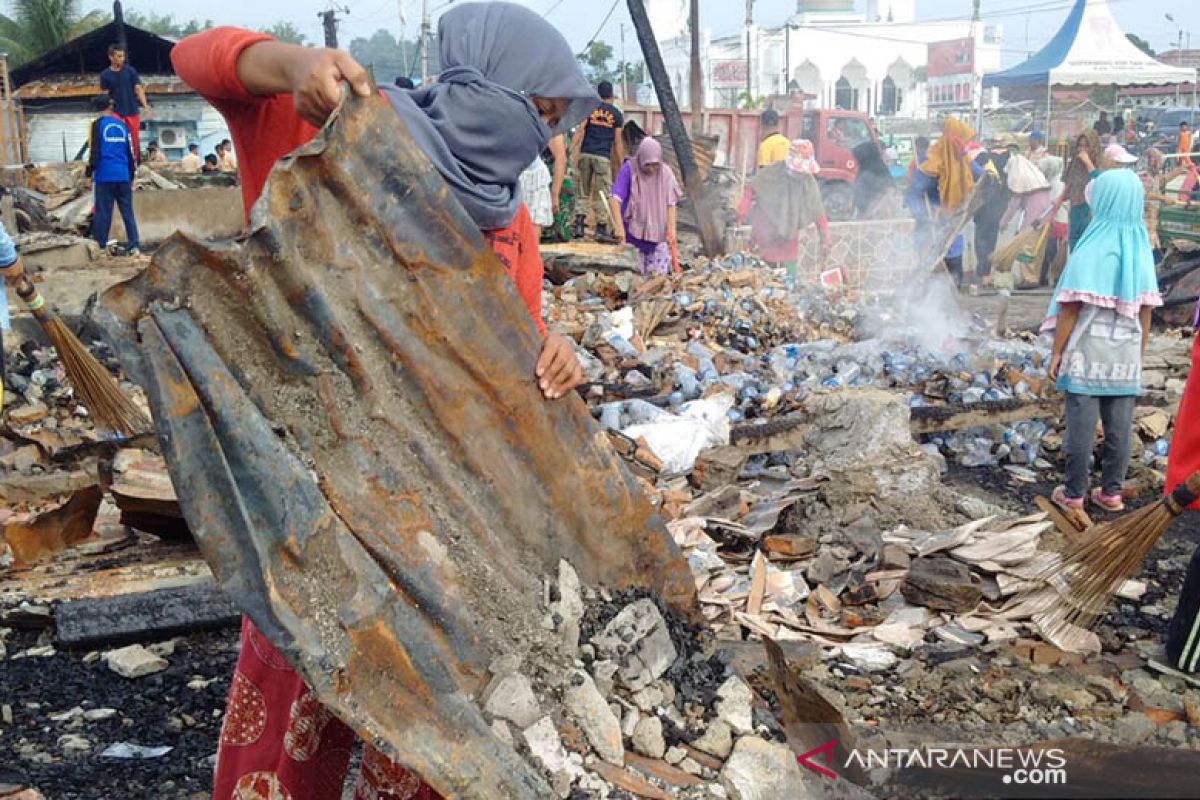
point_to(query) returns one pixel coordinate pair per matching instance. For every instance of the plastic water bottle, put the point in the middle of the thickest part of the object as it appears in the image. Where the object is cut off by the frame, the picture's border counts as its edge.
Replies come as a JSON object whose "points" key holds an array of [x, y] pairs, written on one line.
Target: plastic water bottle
{"points": [[1161, 447], [622, 345]]}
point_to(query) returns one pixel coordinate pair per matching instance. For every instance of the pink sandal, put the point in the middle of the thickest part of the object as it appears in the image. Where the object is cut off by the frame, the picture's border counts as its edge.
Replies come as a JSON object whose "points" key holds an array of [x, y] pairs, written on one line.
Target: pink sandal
{"points": [[1109, 502], [1060, 499]]}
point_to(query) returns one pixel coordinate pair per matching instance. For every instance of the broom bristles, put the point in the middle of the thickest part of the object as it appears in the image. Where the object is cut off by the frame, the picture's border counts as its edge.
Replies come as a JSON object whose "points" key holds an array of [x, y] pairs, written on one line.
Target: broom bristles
{"points": [[1004, 255], [1093, 569], [95, 387]]}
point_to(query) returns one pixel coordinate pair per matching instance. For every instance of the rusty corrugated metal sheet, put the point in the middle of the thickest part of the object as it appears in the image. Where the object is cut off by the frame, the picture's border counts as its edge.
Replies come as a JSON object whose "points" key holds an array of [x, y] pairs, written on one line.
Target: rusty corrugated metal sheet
{"points": [[74, 86], [346, 402]]}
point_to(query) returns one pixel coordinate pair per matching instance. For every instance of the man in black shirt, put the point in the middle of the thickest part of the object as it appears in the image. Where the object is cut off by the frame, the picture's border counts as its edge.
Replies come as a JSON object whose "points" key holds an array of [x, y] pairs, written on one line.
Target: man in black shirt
{"points": [[1102, 126], [596, 146]]}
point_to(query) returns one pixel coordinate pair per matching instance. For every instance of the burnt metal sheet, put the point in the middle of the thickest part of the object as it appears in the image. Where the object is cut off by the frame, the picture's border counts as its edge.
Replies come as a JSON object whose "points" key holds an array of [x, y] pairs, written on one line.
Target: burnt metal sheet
{"points": [[346, 403]]}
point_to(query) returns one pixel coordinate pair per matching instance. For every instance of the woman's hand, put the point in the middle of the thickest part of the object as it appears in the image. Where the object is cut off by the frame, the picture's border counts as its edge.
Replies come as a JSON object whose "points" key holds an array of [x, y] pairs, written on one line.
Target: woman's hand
{"points": [[310, 74], [558, 369], [315, 74], [1055, 366]]}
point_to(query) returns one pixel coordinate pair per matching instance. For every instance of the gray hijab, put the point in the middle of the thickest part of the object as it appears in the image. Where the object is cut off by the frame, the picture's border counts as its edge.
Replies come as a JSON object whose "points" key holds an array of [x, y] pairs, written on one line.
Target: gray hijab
{"points": [[477, 123]]}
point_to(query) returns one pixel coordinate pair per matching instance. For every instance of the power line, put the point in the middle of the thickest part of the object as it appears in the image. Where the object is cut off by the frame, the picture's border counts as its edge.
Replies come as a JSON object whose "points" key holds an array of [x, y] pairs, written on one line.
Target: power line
{"points": [[607, 17], [550, 10]]}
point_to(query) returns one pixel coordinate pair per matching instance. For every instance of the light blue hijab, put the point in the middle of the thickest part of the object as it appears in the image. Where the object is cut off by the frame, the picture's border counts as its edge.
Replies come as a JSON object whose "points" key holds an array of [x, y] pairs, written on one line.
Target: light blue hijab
{"points": [[1113, 265]]}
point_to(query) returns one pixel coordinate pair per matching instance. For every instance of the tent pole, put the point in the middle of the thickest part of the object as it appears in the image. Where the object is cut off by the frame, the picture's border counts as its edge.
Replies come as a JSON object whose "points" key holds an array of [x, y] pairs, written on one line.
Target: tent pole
{"points": [[1049, 95]]}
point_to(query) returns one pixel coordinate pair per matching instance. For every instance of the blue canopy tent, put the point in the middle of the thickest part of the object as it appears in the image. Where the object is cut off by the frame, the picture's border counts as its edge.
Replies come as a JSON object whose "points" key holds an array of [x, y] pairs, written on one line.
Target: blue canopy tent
{"points": [[1090, 49]]}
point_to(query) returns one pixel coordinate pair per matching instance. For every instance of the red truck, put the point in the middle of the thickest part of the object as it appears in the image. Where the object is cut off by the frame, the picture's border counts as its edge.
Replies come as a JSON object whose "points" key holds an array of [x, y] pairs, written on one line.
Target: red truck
{"points": [[834, 134]]}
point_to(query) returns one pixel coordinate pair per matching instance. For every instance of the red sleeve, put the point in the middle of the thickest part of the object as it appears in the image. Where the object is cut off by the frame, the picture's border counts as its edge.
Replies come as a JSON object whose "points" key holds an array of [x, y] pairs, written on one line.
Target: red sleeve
{"points": [[1184, 456], [517, 248], [262, 128]]}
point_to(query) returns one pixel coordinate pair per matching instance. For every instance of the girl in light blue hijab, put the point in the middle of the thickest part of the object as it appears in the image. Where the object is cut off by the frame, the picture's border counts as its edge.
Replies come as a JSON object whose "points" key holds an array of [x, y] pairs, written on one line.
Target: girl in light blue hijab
{"points": [[1100, 315]]}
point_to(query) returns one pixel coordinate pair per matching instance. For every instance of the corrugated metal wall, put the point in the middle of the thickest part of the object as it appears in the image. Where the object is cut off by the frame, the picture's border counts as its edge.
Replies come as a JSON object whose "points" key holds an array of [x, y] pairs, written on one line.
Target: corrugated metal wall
{"points": [[56, 136]]}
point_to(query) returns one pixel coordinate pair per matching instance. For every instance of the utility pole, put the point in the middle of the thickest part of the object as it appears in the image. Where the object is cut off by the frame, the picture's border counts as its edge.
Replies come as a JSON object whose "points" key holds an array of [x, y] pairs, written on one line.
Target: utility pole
{"points": [[749, 25], [696, 84], [423, 46], [624, 69], [329, 21], [976, 79], [697, 192]]}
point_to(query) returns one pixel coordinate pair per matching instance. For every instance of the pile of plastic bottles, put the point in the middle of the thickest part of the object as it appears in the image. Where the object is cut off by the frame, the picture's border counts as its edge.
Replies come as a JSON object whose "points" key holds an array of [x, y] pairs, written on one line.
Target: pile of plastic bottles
{"points": [[1020, 444]]}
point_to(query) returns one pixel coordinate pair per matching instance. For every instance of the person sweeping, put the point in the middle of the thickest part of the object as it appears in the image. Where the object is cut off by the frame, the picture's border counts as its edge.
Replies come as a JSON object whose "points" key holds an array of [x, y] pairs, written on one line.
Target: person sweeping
{"points": [[942, 184], [495, 106], [1100, 316], [644, 199], [783, 199]]}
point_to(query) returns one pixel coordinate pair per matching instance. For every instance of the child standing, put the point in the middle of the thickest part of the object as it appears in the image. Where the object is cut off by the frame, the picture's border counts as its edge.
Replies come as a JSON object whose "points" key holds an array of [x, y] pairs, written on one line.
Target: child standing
{"points": [[1100, 315]]}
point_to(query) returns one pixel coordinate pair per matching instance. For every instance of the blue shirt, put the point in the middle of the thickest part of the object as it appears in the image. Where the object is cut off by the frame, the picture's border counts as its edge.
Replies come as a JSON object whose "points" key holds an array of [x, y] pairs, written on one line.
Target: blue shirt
{"points": [[120, 86], [925, 188], [8, 256], [114, 155]]}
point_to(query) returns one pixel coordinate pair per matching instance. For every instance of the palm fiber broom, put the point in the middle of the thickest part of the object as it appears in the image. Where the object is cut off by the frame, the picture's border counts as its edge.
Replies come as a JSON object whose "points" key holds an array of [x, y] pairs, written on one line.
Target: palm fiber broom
{"points": [[1092, 569], [95, 387]]}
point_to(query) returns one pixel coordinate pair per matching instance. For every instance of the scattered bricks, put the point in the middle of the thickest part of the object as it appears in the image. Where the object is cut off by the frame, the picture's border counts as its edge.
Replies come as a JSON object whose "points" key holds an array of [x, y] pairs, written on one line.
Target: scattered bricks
{"points": [[645, 456], [717, 467], [542, 740], [648, 737], [1046, 654], [941, 583], [858, 683], [638, 641], [510, 697], [22, 459], [661, 770], [762, 770], [735, 705], [1191, 711], [716, 741], [1161, 716], [626, 780], [894, 557], [602, 728], [28, 414], [789, 546], [704, 759], [134, 661], [674, 755]]}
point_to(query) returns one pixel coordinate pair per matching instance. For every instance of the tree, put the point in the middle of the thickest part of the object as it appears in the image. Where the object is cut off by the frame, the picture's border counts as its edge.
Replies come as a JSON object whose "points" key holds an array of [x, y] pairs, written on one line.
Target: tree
{"points": [[1140, 43], [595, 61], [38, 26], [387, 58], [165, 24], [284, 31]]}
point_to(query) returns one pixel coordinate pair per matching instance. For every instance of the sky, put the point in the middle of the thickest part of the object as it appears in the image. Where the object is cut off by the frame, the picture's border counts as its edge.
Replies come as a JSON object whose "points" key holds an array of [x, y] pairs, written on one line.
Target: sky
{"points": [[1028, 24]]}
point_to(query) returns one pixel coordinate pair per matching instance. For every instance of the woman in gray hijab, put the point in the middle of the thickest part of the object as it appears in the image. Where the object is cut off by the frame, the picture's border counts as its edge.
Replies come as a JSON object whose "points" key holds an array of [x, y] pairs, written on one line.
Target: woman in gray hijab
{"points": [[509, 83], [505, 72]]}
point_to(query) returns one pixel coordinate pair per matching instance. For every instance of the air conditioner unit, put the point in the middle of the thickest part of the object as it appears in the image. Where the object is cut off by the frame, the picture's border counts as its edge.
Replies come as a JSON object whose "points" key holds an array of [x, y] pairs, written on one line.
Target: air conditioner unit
{"points": [[172, 136]]}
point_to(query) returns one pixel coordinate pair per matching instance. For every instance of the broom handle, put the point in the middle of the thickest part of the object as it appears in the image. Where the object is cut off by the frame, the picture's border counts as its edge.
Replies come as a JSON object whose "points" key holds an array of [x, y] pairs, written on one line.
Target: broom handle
{"points": [[33, 299], [1183, 495]]}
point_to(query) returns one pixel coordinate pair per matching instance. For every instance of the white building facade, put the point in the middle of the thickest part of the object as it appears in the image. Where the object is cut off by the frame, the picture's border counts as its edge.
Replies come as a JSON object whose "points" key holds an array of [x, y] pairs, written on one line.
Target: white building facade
{"points": [[872, 61]]}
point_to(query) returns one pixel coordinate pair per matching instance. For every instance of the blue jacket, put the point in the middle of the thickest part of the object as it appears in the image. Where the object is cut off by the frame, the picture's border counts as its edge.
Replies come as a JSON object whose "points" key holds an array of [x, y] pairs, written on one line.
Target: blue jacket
{"points": [[110, 156]]}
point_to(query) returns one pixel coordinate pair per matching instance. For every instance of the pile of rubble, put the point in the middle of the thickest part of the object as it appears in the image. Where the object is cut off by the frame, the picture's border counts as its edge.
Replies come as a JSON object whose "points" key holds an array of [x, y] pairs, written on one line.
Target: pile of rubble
{"points": [[635, 702]]}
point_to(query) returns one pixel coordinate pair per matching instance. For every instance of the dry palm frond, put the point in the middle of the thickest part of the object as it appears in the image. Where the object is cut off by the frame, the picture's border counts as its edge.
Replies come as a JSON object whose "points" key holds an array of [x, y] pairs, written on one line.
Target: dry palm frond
{"points": [[111, 409], [1093, 568]]}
